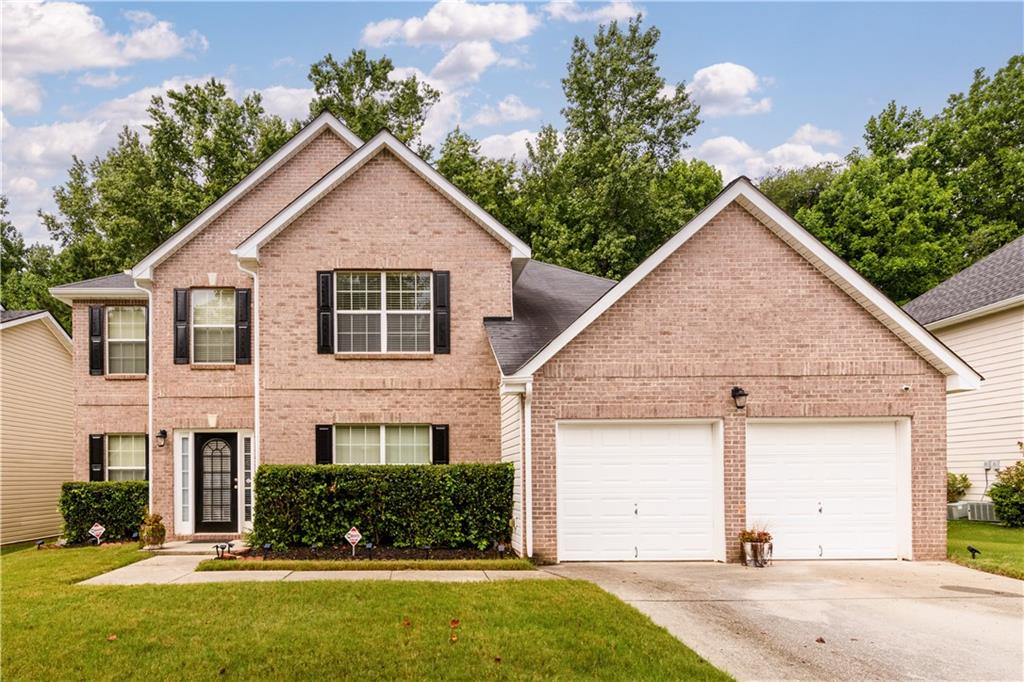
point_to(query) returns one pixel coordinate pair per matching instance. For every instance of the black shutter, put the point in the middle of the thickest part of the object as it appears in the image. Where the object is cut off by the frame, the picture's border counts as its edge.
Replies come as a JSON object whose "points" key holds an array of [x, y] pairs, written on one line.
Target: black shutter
{"points": [[243, 334], [181, 339], [439, 438], [145, 439], [324, 315], [95, 340], [324, 444], [442, 313], [96, 457]]}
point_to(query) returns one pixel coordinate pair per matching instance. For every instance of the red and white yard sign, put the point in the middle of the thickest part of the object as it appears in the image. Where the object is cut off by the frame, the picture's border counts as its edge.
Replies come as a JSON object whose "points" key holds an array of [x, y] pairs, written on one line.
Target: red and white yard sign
{"points": [[353, 536], [96, 531]]}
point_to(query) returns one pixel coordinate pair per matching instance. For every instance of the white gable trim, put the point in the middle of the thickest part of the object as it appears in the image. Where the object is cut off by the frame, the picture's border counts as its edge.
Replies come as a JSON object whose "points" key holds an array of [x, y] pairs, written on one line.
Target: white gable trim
{"points": [[144, 270], [249, 249], [959, 375], [48, 320], [989, 309]]}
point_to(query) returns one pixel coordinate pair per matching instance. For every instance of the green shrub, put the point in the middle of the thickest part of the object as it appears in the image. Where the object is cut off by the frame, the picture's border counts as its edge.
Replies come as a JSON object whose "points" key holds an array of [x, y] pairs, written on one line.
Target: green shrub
{"points": [[956, 486], [118, 506], [453, 505], [1007, 495]]}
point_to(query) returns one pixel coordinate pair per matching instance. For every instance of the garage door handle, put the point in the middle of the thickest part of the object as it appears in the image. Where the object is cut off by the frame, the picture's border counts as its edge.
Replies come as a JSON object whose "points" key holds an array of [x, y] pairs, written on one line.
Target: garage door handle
{"points": [[635, 511], [819, 508], [636, 552], [821, 551]]}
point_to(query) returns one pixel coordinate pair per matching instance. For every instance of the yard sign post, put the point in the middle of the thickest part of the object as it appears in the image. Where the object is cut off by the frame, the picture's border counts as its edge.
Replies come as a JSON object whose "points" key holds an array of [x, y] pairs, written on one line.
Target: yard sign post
{"points": [[353, 536], [97, 532]]}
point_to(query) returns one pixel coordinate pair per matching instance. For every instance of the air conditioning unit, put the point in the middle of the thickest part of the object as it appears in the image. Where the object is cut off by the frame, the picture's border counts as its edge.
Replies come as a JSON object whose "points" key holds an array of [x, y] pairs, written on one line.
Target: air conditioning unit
{"points": [[981, 511], [956, 511]]}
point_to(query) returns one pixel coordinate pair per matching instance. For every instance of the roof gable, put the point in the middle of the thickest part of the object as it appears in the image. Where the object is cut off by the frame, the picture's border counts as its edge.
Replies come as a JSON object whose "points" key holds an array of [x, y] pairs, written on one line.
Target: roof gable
{"points": [[325, 121], [16, 318], [959, 375], [249, 248]]}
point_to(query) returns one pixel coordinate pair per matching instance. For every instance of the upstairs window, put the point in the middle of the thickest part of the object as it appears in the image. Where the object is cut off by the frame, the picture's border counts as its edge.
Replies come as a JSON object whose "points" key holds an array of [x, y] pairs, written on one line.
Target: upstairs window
{"points": [[126, 340], [383, 312], [213, 326]]}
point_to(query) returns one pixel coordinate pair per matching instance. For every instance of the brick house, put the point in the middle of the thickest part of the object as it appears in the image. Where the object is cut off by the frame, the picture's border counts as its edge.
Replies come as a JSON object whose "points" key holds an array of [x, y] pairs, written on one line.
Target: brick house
{"points": [[345, 303]]}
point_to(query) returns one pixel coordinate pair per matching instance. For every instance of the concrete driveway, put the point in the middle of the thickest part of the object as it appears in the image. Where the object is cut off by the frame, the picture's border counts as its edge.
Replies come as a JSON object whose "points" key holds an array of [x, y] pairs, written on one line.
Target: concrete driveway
{"points": [[849, 620]]}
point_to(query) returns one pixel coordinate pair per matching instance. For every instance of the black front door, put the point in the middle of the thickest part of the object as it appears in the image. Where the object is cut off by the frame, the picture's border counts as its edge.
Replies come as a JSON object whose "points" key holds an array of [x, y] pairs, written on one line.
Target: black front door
{"points": [[216, 483]]}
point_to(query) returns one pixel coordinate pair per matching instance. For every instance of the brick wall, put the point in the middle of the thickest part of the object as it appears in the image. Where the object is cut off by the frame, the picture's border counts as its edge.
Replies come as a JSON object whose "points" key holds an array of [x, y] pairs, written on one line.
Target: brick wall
{"points": [[736, 306], [383, 217]]}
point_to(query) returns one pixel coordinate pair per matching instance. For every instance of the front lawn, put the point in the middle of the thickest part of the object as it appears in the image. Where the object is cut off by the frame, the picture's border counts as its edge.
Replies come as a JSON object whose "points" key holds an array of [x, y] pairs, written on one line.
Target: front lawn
{"points": [[1002, 548], [53, 629]]}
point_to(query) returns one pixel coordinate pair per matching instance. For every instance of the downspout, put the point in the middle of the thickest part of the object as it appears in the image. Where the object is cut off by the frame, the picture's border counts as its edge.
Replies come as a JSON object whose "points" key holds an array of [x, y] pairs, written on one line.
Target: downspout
{"points": [[255, 366], [151, 437], [528, 463]]}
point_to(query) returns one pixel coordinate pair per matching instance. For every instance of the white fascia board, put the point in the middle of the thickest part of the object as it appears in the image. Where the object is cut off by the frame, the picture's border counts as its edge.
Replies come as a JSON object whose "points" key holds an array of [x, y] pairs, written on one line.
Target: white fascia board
{"points": [[144, 269], [68, 295], [996, 307], [249, 249], [778, 221], [47, 319]]}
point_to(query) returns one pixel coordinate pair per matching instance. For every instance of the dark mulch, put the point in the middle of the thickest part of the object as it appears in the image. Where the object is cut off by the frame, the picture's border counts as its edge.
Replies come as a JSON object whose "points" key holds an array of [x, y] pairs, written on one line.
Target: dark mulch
{"points": [[344, 553]]}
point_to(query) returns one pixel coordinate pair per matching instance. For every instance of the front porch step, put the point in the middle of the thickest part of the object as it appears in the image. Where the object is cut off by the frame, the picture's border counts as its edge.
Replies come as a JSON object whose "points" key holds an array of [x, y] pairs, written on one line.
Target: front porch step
{"points": [[197, 547]]}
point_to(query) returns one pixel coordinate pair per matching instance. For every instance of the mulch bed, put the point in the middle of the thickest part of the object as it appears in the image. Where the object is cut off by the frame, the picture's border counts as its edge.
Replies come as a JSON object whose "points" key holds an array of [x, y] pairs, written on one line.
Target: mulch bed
{"points": [[344, 553]]}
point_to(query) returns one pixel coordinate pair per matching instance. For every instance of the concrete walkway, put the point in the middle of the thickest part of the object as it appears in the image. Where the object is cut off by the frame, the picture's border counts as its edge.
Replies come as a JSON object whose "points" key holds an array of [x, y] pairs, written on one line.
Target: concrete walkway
{"points": [[172, 569]]}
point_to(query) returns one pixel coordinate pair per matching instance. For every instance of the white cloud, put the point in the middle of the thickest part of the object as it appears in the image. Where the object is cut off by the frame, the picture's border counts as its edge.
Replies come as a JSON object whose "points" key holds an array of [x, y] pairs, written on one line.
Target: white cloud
{"points": [[465, 62], [728, 89], [811, 134], [442, 118], [570, 10], [288, 103], [735, 157], [285, 61], [111, 79], [58, 37], [511, 108], [507, 146], [453, 21], [20, 95]]}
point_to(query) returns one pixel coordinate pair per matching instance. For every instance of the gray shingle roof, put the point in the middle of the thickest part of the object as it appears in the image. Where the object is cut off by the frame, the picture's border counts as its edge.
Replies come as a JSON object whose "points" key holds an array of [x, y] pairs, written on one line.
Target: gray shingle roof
{"points": [[121, 280], [545, 300], [996, 277], [12, 315]]}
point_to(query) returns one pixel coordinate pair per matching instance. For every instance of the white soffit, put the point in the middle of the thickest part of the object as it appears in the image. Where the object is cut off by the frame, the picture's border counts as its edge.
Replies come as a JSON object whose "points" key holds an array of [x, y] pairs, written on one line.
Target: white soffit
{"points": [[959, 375]]}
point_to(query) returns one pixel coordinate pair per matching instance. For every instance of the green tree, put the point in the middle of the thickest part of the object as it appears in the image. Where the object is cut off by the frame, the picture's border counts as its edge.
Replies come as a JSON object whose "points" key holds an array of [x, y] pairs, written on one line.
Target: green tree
{"points": [[25, 272], [798, 188], [622, 136], [361, 92]]}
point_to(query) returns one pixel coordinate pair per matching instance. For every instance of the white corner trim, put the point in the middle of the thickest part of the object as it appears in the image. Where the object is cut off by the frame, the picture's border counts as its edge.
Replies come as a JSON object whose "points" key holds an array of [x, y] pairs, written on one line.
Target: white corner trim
{"points": [[250, 247], [49, 322], [989, 309], [873, 300], [150, 434], [144, 269]]}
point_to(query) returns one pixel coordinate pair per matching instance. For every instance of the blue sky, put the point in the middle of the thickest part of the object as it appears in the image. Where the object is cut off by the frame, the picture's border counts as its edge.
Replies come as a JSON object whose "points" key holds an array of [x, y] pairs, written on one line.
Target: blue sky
{"points": [[780, 84]]}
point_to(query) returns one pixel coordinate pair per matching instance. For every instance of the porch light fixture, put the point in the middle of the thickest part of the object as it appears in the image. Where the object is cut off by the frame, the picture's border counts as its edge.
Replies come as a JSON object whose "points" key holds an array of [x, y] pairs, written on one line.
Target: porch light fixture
{"points": [[161, 438], [739, 396]]}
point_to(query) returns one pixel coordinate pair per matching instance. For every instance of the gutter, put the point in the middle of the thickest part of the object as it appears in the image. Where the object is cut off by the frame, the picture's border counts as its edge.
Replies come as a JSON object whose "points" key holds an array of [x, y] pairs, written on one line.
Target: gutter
{"points": [[151, 437], [255, 368]]}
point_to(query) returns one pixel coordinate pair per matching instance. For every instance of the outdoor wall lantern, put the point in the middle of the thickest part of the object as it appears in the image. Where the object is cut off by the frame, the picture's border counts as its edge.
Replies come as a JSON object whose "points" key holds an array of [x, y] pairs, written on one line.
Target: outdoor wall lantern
{"points": [[161, 438], [739, 396]]}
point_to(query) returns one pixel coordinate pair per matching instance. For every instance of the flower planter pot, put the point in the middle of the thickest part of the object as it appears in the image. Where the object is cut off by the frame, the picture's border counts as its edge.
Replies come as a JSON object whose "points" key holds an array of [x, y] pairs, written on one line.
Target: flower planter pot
{"points": [[757, 554]]}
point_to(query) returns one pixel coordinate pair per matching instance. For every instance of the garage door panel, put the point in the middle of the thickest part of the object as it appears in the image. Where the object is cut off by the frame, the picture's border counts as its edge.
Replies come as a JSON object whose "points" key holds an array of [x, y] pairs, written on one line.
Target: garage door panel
{"points": [[825, 489], [635, 490]]}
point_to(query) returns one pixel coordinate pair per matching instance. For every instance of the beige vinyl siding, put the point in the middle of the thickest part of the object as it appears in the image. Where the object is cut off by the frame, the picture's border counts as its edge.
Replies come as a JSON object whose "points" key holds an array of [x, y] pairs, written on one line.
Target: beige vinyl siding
{"points": [[35, 430], [512, 451], [987, 423]]}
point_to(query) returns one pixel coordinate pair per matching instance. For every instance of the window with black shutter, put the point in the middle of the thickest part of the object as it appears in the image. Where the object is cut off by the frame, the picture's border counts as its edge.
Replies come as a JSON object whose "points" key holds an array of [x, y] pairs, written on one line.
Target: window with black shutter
{"points": [[181, 335], [442, 313], [96, 458], [96, 340], [243, 332], [324, 312], [439, 443]]}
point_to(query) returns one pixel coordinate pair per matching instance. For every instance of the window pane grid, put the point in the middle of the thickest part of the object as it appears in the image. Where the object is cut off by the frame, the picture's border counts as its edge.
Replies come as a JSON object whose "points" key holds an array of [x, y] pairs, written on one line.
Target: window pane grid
{"points": [[356, 444], [407, 444], [126, 457], [126, 340], [401, 325], [213, 325]]}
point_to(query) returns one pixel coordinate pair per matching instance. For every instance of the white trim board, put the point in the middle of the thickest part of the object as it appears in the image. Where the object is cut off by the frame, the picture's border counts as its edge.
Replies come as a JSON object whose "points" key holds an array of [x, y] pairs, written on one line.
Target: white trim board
{"points": [[326, 120], [250, 247], [49, 321], [989, 309], [70, 295], [959, 375]]}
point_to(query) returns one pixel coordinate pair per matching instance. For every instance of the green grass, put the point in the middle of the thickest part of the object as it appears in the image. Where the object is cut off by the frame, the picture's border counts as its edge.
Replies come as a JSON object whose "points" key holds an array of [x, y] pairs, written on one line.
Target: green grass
{"points": [[1002, 548], [54, 629], [369, 565]]}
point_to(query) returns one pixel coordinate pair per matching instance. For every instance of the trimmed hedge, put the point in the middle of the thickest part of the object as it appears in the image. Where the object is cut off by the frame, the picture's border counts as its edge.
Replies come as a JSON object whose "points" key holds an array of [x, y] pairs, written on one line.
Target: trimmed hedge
{"points": [[445, 505], [1007, 495], [118, 506]]}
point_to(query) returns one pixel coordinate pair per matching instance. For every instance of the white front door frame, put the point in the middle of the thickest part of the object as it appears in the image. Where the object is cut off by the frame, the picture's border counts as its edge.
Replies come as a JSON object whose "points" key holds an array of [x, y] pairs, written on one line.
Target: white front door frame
{"points": [[184, 477]]}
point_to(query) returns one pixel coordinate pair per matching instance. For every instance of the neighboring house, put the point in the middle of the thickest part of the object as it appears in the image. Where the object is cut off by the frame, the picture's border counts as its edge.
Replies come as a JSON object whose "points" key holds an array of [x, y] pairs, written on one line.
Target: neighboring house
{"points": [[345, 303], [36, 417], [979, 314]]}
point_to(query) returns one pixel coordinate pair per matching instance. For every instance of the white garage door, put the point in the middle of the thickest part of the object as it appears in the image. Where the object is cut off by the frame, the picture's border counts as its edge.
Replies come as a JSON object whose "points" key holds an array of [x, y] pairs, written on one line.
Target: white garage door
{"points": [[827, 489], [636, 491]]}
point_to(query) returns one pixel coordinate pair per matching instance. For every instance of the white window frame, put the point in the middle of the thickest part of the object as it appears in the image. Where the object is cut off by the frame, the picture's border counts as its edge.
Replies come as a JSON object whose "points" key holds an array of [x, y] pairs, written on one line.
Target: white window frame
{"points": [[383, 444], [107, 338], [383, 313], [193, 326], [106, 456]]}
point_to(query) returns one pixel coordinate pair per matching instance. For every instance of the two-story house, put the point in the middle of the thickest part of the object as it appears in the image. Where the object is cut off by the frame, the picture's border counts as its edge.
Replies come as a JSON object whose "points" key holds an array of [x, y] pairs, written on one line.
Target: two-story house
{"points": [[346, 304]]}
